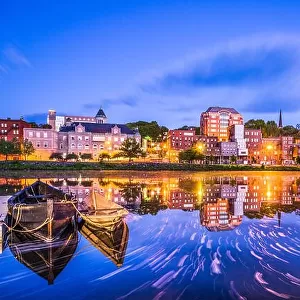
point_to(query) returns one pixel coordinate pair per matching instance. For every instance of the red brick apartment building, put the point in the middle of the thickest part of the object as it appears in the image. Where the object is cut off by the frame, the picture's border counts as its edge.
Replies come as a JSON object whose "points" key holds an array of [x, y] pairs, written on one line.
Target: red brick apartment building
{"points": [[185, 139], [253, 139], [215, 121], [12, 129]]}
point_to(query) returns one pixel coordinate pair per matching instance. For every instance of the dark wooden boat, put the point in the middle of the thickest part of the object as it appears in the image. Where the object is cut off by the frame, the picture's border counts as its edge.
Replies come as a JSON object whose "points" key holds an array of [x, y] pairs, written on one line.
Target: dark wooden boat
{"points": [[111, 239], [3, 236], [46, 259], [41, 209]]}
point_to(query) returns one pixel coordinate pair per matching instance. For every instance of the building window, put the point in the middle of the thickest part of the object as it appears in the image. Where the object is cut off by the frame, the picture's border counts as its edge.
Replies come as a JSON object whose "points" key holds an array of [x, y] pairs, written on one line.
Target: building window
{"points": [[45, 134], [72, 138], [86, 146], [72, 145], [86, 138], [38, 134], [45, 144], [79, 138], [38, 144]]}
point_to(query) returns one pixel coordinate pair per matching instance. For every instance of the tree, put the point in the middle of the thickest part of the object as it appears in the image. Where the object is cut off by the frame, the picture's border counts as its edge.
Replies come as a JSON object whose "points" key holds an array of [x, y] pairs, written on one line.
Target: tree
{"points": [[151, 129], [130, 148], [233, 159], [298, 160], [104, 155], [27, 148], [6, 148], [143, 154], [191, 155], [72, 156], [86, 156], [9, 147], [57, 156], [289, 131]]}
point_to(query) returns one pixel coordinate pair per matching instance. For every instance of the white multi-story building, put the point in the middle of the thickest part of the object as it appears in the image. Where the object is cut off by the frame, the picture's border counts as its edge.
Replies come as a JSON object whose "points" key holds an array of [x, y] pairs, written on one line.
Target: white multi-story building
{"points": [[237, 134], [79, 137]]}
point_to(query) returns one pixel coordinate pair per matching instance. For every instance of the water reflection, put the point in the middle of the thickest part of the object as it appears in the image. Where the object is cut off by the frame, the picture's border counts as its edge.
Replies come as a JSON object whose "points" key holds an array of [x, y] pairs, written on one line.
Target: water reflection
{"points": [[46, 259], [191, 237], [109, 239], [221, 200]]}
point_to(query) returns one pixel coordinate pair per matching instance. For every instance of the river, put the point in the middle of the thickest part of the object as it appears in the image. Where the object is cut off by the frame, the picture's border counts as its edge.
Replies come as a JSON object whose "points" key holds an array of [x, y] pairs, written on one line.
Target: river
{"points": [[187, 236]]}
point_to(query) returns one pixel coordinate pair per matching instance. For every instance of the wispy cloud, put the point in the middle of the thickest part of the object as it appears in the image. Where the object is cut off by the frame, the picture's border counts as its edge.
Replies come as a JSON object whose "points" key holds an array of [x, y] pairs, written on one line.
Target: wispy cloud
{"points": [[11, 58], [130, 101], [14, 56], [259, 75]]}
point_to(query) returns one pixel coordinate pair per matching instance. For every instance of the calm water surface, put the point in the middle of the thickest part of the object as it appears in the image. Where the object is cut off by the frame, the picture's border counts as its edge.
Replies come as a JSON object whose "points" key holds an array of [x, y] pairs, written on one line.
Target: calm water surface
{"points": [[190, 236]]}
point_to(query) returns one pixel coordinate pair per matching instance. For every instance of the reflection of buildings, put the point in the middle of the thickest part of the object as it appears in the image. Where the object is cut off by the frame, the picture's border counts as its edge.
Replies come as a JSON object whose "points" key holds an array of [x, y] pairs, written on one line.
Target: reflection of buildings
{"points": [[245, 195]]}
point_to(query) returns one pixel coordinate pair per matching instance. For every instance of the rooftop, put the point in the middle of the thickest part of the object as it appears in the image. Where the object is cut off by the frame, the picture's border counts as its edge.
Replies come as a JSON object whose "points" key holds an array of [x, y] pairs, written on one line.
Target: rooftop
{"points": [[218, 108], [98, 128]]}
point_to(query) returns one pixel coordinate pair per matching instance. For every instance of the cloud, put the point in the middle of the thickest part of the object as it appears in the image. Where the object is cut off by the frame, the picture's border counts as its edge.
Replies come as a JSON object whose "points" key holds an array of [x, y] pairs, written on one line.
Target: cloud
{"points": [[130, 101], [257, 74], [13, 57]]}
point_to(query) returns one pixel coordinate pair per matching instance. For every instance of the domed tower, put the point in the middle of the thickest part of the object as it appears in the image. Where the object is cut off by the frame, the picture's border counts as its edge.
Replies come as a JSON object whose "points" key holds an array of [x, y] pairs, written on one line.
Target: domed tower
{"points": [[100, 117]]}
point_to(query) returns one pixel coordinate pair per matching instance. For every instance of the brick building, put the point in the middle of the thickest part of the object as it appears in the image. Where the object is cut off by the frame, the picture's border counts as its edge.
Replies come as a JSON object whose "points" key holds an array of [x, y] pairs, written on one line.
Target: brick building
{"points": [[215, 121], [179, 140], [12, 129], [253, 139]]}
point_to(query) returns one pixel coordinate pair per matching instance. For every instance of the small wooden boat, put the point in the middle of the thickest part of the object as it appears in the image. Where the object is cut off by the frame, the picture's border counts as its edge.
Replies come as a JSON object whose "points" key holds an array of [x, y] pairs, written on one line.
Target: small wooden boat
{"points": [[46, 259], [41, 208], [103, 212], [110, 239]]}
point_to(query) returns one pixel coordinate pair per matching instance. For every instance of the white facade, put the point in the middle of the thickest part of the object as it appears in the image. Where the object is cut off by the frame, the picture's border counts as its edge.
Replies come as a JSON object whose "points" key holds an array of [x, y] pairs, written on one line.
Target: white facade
{"points": [[238, 136]]}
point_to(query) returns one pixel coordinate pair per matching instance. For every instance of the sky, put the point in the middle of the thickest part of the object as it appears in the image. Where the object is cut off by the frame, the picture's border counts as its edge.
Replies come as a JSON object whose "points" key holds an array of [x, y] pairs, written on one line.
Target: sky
{"points": [[150, 60]]}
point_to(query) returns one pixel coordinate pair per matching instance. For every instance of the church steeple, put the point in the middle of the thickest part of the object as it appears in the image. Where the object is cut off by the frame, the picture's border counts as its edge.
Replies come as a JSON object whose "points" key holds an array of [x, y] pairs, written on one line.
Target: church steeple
{"points": [[100, 116], [280, 120]]}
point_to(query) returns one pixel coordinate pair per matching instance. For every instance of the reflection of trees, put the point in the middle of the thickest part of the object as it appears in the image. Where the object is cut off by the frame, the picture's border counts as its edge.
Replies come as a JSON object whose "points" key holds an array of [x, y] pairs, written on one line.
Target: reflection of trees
{"points": [[131, 193], [56, 183], [188, 185], [151, 207], [253, 215], [9, 189]]}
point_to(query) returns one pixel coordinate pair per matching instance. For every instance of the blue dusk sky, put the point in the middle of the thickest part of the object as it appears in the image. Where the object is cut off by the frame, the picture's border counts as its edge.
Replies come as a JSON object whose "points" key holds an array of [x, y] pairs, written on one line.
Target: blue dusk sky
{"points": [[150, 60]]}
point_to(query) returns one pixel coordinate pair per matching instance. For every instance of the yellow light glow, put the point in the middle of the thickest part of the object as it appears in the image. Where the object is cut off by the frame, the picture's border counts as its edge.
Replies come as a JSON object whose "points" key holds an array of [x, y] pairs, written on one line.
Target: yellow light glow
{"points": [[269, 147]]}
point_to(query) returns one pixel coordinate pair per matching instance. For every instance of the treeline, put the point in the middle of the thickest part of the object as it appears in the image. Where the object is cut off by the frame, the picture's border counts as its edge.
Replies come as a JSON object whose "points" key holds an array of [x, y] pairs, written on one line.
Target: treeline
{"points": [[270, 128], [150, 130], [15, 147]]}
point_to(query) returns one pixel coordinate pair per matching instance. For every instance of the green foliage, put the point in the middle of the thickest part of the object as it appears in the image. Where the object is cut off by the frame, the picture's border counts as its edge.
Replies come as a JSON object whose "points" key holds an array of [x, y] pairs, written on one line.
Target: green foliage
{"points": [[130, 148], [298, 160], [289, 131], [191, 155], [86, 156], [233, 159], [27, 148], [57, 156], [270, 128], [104, 155], [151, 129], [35, 125], [185, 127], [9, 148], [71, 156]]}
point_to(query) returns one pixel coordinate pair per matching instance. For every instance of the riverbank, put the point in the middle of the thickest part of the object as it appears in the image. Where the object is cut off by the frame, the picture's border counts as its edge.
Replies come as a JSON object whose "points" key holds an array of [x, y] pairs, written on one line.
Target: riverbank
{"points": [[134, 166]]}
